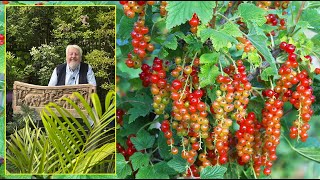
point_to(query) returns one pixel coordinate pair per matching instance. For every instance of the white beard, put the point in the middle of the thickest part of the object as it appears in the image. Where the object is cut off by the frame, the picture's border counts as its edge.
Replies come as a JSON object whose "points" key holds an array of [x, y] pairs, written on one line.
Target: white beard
{"points": [[73, 65]]}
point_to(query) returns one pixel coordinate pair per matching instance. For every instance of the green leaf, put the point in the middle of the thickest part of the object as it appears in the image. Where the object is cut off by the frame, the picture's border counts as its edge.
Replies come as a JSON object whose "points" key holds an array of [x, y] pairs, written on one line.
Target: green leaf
{"points": [[179, 12], [193, 43], [125, 27], [139, 160], [209, 58], [164, 168], [150, 173], [219, 39], [231, 29], [163, 53], [267, 73], [254, 58], [132, 128], [171, 42], [260, 43], [215, 172], [312, 16], [143, 140], [178, 164], [309, 149], [208, 74], [123, 168], [141, 106], [251, 13]]}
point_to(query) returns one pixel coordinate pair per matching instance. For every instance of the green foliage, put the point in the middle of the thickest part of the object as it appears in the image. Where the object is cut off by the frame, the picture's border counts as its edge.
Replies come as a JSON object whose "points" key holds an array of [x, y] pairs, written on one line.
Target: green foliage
{"points": [[14, 70], [123, 168], [178, 164], [219, 39], [143, 140], [43, 60], [65, 145], [251, 13], [209, 71], [186, 11], [102, 64], [215, 172]]}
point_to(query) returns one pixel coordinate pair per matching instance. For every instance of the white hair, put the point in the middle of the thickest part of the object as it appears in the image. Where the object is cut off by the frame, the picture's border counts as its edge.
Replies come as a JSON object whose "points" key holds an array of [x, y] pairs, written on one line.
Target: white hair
{"points": [[76, 47]]}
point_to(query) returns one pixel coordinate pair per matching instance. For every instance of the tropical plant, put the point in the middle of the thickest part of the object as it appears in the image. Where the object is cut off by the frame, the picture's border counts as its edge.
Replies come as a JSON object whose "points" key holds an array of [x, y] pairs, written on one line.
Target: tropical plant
{"points": [[217, 89], [65, 144]]}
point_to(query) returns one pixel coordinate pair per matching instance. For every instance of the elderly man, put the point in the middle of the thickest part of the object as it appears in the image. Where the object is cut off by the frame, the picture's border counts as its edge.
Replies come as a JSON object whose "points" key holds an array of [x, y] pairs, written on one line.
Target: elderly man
{"points": [[73, 71]]}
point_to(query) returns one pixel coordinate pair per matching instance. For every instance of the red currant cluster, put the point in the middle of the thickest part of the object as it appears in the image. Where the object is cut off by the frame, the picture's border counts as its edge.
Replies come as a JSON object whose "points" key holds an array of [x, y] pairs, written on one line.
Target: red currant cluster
{"points": [[233, 95], [132, 7], [119, 116], [159, 88], [145, 75], [273, 19], [141, 44], [265, 152], [272, 5], [302, 97], [244, 45], [194, 22], [2, 39], [130, 148]]}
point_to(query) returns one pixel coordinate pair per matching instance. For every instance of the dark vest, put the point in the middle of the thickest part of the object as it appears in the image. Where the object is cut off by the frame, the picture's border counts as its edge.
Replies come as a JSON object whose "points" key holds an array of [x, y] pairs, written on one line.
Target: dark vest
{"points": [[61, 73]]}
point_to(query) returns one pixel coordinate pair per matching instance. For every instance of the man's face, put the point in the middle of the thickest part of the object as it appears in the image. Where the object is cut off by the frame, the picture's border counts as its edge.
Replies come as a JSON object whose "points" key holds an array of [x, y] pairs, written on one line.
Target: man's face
{"points": [[73, 58]]}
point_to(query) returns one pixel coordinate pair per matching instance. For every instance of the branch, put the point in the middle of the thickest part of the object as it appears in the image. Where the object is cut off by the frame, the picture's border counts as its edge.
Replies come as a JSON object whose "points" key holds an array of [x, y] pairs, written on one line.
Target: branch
{"points": [[297, 18], [213, 20], [300, 11]]}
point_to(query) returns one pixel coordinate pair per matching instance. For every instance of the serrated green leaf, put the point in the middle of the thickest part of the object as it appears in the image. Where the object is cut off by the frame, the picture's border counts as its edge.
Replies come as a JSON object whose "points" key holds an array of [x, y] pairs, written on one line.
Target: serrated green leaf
{"points": [[132, 128], [219, 39], [143, 140], [163, 168], [164, 149], [231, 29], [171, 42], [123, 168], [139, 160], [125, 27], [208, 74], [141, 106], [150, 173], [193, 43], [312, 16], [209, 58], [163, 53], [215, 172], [251, 13], [309, 149], [179, 12], [267, 73], [178, 164], [259, 42]]}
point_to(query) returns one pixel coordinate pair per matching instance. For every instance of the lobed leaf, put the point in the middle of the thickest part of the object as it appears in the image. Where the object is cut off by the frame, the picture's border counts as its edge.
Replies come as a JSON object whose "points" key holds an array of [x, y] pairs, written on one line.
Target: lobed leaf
{"points": [[179, 12]]}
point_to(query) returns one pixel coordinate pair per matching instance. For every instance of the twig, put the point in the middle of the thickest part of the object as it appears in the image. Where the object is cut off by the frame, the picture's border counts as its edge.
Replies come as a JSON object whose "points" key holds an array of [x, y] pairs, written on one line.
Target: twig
{"points": [[298, 17], [213, 20]]}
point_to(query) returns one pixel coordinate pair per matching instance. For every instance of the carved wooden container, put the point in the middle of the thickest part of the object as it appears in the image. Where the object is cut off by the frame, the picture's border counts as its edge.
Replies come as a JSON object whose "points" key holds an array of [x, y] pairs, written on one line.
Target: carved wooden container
{"points": [[37, 97]]}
